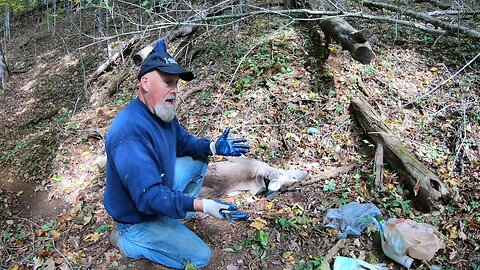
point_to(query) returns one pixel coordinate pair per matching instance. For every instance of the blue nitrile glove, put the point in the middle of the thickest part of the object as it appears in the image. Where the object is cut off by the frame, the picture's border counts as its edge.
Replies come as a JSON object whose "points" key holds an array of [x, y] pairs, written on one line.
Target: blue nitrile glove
{"points": [[229, 147], [219, 209]]}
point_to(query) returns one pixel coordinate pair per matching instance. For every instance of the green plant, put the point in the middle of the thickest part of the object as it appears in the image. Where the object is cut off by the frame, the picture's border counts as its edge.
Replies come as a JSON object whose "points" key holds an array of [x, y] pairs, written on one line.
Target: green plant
{"points": [[309, 263], [330, 186], [235, 249], [291, 224], [189, 266], [49, 226], [395, 200], [260, 244]]}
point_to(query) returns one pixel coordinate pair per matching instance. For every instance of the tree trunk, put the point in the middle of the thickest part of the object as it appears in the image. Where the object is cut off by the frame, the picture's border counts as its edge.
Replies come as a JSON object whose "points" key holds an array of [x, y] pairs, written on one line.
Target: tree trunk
{"points": [[54, 6], [350, 39], [6, 34], [101, 18], [426, 186], [3, 70], [290, 4]]}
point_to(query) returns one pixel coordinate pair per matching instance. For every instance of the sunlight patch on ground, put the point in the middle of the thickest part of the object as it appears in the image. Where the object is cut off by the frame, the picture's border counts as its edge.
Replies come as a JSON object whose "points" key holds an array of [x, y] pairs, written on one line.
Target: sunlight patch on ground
{"points": [[75, 165], [27, 87], [69, 60]]}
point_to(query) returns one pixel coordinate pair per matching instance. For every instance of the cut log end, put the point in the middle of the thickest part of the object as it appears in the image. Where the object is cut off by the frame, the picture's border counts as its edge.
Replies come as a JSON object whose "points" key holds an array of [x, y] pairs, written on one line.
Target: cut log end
{"points": [[364, 55], [350, 38]]}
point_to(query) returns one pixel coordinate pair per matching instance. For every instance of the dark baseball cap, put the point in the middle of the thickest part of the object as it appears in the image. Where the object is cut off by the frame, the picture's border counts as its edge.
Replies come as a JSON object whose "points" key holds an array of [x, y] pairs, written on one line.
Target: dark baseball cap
{"points": [[161, 60]]}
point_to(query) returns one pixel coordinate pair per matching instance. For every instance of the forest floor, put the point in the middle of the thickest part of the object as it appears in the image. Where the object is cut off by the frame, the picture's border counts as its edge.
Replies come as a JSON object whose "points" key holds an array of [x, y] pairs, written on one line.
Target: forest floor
{"points": [[267, 81]]}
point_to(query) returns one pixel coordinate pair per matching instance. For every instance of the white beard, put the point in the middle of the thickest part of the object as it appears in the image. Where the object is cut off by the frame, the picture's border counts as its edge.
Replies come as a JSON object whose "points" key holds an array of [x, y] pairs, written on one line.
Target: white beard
{"points": [[164, 111]]}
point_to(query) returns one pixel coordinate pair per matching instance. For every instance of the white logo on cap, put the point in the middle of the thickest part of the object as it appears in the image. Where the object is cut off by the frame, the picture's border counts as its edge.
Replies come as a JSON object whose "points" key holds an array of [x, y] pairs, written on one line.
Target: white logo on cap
{"points": [[170, 60]]}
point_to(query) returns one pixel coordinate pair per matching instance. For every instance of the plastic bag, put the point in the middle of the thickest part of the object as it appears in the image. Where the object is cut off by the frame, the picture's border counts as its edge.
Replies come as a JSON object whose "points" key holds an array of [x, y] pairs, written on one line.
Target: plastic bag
{"points": [[405, 237], [351, 218], [345, 263]]}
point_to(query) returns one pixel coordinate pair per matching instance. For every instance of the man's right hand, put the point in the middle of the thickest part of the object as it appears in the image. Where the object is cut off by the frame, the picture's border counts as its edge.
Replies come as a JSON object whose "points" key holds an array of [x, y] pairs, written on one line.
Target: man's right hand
{"points": [[229, 147], [215, 208]]}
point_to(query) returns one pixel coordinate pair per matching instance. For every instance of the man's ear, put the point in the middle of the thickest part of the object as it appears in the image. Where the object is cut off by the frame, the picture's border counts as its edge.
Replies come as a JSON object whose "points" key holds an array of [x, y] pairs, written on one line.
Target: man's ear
{"points": [[144, 83]]}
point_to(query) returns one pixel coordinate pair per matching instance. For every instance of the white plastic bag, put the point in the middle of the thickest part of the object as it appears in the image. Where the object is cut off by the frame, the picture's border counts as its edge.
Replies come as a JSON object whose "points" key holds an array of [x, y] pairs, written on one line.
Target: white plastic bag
{"points": [[404, 237], [345, 263]]}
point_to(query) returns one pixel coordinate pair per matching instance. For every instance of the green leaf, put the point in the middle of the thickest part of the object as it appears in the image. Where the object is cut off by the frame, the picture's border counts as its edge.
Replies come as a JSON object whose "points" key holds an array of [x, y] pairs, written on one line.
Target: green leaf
{"points": [[102, 228], [49, 226], [263, 237]]}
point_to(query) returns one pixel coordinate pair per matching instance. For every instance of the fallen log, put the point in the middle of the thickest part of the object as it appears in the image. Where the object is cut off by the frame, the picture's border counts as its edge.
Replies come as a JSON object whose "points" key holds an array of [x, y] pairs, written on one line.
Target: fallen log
{"points": [[114, 57], [350, 38], [427, 188]]}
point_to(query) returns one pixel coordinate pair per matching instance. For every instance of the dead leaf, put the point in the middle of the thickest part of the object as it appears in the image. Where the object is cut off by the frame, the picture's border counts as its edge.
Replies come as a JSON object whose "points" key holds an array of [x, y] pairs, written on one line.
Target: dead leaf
{"points": [[50, 264], [269, 205], [93, 237], [232, 267], [257, 224], [56, 233], [453, 232], [14, 267]]}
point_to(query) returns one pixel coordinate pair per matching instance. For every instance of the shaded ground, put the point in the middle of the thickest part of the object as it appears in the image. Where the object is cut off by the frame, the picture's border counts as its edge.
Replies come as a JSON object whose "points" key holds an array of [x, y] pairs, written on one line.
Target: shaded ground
{"points": [[52, 129]]}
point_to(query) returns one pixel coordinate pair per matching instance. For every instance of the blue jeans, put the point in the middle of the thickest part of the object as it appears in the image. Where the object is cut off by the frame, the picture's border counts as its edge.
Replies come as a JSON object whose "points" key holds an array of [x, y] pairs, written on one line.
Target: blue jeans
{"points": [[166, 240]]}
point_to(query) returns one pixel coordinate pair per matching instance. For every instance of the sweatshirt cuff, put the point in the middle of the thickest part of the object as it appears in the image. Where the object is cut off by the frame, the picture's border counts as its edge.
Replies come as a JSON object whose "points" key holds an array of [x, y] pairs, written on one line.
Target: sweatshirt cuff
{"points": [[188, 204]]}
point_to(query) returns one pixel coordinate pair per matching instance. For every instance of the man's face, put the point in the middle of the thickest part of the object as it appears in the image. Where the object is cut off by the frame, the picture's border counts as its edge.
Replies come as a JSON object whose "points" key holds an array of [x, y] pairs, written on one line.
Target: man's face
{"points": [[161, 93]]}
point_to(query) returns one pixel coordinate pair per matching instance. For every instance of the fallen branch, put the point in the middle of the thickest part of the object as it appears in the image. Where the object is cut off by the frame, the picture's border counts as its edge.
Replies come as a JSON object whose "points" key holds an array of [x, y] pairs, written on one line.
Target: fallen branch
{"points": [[332, 253], [115, 85], [328, 174], [323, 15], [453, 12], [379, 166], [181, 30], [427, 188], [114, 57], [435, 3], [450, 27], [442, 83], [187, 94]]}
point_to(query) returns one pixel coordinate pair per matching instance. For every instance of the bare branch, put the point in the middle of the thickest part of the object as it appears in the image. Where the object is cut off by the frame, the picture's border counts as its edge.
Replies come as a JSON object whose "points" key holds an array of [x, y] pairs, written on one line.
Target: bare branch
{"points": [[450, 27], [442, 83], [453, 12]]}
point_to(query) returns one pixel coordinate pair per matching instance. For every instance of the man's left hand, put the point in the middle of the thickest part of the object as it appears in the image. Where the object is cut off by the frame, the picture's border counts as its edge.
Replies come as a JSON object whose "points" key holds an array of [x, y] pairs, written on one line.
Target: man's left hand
{"points": [[229, 147]]}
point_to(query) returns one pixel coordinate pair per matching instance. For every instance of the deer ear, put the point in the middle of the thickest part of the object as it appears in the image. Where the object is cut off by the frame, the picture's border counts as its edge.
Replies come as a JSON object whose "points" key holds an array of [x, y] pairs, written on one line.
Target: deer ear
{"points": [[274, 185]]}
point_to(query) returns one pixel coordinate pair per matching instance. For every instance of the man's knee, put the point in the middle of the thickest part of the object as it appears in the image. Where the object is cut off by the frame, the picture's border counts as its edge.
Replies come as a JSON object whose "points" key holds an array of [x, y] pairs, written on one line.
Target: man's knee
{"points": [[203, 257]]}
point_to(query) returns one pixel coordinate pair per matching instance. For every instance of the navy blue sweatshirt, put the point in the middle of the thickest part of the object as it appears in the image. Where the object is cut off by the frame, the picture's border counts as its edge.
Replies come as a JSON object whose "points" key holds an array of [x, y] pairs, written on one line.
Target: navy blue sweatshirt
{"points": [[141, 153]]}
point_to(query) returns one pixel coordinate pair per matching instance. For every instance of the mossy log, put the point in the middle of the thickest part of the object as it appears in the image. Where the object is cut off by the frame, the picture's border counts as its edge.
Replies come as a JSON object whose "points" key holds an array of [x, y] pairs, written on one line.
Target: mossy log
{"points": [[426, 186], [350, 38]]}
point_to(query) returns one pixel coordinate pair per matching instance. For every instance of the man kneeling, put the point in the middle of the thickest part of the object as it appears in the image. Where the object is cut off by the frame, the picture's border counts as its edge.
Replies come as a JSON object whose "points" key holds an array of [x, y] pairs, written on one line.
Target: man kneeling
{"points": [[155, 170]]}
